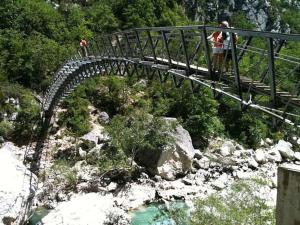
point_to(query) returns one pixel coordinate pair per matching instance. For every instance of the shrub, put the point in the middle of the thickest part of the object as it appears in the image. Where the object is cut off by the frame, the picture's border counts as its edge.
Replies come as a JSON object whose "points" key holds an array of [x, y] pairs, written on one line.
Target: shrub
{"points": [[138, 133], [66, 174], [76, 118], [240, 206], [26, 125], [6, 129], [243, 126]]}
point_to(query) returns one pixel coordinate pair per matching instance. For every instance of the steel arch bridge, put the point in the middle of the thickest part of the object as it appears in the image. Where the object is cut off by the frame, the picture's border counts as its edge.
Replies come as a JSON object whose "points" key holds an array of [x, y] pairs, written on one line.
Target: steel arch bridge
{"points": [[263, 75]]}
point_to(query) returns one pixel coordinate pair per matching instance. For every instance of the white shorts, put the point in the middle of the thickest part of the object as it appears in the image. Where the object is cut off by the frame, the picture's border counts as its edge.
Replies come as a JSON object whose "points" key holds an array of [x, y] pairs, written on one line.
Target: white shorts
{"points": [[218, 50]]}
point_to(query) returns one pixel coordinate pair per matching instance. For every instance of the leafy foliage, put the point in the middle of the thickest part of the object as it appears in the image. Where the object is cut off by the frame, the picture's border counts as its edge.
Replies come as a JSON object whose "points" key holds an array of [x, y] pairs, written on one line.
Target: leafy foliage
{"points": [[244, 127], [139, 134], [239, 206], [66, 174], [76, 118]]}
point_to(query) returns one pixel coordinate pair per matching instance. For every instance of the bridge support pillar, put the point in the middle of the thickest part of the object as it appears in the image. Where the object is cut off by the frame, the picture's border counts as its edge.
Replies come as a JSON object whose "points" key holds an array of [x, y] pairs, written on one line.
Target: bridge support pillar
{"points": [[288, 196]]}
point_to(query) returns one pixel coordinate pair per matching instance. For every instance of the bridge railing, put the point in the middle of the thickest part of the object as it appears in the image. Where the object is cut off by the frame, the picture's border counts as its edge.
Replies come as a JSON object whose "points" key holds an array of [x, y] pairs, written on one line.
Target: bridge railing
{"points": [[256, 56]]}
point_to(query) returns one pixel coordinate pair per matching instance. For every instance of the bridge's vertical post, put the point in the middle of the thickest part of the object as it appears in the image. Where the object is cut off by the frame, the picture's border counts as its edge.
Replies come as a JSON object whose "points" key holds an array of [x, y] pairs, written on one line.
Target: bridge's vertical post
{"points": [[119, 45], [98, 48], [235, 65], [112, 47], [106, 50], [207, 53], [207, 57], [139, 43], [151, 44], [185, 52], [288, 195], [128, 44], [164, 36], [276, 51], [115, 55], [93, 47], [272, 75]]}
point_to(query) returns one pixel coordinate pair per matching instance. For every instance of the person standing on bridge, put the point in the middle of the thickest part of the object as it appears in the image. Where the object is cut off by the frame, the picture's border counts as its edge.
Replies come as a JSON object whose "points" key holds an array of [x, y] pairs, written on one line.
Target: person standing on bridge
{"points": [[217, 48], [83, 46], [227, 45]]}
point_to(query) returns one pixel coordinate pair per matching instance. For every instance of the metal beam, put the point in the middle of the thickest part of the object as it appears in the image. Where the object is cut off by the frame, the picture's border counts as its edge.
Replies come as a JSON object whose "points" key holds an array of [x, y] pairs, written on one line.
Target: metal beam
{"points": [[235, 65], [151, 45], [187, 61], [207, 54], [272, 72]]}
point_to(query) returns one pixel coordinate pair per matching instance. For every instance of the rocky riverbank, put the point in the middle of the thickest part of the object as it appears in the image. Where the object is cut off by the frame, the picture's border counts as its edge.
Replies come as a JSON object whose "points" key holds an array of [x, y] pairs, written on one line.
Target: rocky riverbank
{"points": [[80, 193], [214, 169]]}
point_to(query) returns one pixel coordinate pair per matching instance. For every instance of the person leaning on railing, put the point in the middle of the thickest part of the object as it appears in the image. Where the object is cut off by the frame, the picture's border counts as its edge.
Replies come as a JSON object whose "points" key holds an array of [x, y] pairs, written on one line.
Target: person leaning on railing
{"points": [[217, 48]]}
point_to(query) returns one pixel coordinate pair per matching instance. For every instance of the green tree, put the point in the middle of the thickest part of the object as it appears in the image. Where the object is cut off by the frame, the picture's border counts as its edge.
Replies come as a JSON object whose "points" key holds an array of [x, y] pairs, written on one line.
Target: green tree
{"points": [[138, 134]]}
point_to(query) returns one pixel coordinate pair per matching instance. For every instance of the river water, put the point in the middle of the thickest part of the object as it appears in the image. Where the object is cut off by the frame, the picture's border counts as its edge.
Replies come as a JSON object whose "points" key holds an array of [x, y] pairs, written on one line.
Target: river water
{"points": [[176, 213]]}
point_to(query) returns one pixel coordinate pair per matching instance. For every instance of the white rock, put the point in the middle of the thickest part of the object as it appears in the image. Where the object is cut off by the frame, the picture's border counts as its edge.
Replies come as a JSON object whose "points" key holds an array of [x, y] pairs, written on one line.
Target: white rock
{"points": [[243, 175], [274, 155], [88, 209], [177, 158], [253, 163], [225, 151], [227, 148], [237, 153], [17, 186], [262, 143], [218, 185], [274, 182], [297, 156], [103, 117], [260, 156], [96, 135], [112, 186], [117, 216], [285, 149], [82, 153], [135, 195], [269, 141], [204, 163]]}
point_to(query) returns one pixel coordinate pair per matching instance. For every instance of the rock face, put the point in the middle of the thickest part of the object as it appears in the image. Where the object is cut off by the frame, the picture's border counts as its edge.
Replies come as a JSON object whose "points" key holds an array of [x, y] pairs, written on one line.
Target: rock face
{"points": [[177, 158], [256, 11], [89, 209], [17, 187]]}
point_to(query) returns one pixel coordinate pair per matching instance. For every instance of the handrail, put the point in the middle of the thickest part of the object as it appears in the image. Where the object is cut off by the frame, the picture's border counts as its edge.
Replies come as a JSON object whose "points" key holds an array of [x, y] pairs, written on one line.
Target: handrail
{"points": [[242, 32]]}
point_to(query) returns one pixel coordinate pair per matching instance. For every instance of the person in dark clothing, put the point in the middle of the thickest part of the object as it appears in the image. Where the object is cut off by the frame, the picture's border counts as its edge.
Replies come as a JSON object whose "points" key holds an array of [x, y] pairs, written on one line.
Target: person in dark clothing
{"points": [[227, 46]]}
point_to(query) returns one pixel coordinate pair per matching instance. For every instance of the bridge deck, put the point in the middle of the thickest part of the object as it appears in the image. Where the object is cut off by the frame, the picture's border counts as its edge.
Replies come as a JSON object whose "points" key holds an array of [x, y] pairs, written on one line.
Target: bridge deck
{"points": [[246, 82]]}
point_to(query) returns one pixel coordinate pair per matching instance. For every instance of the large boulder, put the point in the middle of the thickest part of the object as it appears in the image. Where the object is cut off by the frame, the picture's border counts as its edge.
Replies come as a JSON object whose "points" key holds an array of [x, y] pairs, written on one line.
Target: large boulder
{"points": [[176, 158], [285, 149], [17, 188], [89, 209]]}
